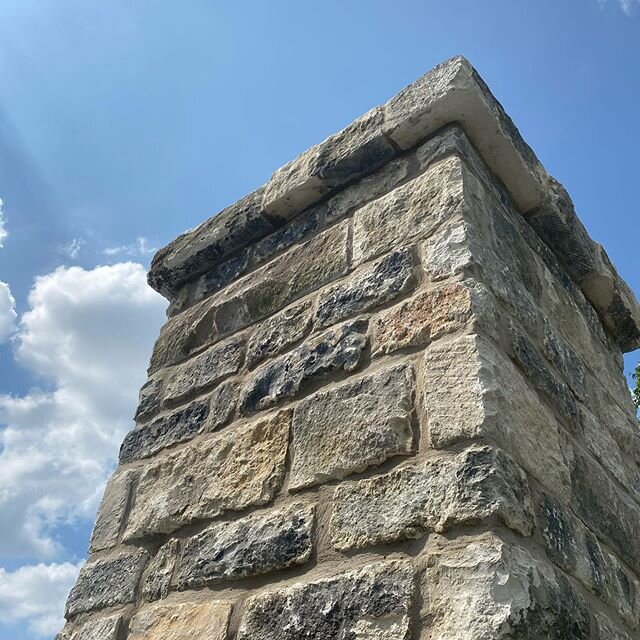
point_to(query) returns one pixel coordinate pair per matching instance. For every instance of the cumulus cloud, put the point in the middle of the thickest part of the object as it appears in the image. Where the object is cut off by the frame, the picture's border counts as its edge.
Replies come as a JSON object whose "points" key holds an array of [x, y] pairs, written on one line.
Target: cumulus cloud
{"points": [[7, 312], [3, 226], [87, 336], [36, 595], [139, 248]]}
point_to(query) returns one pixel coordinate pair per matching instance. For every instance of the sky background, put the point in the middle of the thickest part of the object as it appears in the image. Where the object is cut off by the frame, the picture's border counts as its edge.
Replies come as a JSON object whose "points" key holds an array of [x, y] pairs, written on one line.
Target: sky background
{"points": [[123, 123]]}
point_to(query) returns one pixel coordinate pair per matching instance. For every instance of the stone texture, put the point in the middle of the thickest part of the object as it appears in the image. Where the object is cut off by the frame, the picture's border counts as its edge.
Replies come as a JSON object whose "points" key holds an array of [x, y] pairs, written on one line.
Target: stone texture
{"points": [[411, 211], [107, 628], [471, 390], [257, 544], [105, 583], [229, 471], [112, 511], [204, 370], [566, 361], [181, 621], [352, 426], [276, 334], [150, 398], [426, 317], [367, 288], [339, 348], [179, 426], [344, 157], [157, 581], [375, 599], [608, 631], [443, 492], [222, 403]]}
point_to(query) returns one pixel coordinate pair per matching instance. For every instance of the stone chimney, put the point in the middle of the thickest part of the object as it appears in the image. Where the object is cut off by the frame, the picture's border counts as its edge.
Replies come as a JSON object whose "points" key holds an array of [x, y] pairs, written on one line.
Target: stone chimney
{"points": [[388, 404]]}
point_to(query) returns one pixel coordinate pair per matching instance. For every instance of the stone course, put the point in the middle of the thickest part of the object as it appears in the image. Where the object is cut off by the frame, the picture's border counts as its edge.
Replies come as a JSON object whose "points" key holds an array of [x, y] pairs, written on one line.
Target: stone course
{"points": [[388, 403]]}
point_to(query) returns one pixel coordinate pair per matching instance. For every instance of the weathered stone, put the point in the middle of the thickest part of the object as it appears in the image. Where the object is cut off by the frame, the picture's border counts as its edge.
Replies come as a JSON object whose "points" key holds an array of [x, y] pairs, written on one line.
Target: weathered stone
{"points": [[182, 620], [471, 390], [532, 363], [179, 426], [607, 630], [566, 361], [107, 628], [230, 471], [150, 399], [411, 211], [257, 544], [369, 287], [339, 348], [367, 189], [483, 587], [157, 582], [344, 157], [222, 402], [105, 583], [450, 250], [352, 426], [444, 491], [201, 249], [112, 511], [426, 317], [275, 334], [217, 362], [300, 227], [288, 277], [375, 599]]}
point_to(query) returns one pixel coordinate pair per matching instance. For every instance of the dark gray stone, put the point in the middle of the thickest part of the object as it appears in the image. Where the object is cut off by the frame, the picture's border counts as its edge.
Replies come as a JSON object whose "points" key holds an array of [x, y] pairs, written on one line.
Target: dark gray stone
{"points": [[257, 544], [344, 607], [157, 581], [223, 402], [374, 285], [220, 276], [150, 399], [340, 348], [566, 361], [106, 583], [179, 426]]}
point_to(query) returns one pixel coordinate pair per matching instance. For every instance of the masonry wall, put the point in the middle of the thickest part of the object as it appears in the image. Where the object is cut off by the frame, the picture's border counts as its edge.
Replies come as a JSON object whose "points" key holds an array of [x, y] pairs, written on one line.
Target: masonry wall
{"points": [[393, 416]]}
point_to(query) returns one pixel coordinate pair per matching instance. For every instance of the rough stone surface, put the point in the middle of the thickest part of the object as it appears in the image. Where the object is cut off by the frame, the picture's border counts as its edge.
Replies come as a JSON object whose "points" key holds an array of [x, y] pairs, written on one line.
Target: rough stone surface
{"points": [[157, 580], [353, 426], [276, 334], [150, 399], [217, 362], [426, 317], [369, 287], [608, 631], [253, 545], [105, 583], [181, 621], [179, 426], [107, 628], [227, 472], [222, 403], [340, 348], [441, 493], [349, 605], [411, 211], [566, 361], [112, 511]]}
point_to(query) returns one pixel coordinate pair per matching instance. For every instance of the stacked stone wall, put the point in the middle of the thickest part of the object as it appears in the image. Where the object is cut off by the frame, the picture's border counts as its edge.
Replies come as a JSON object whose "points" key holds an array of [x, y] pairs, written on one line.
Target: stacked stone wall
{"points": [[393, 416]]}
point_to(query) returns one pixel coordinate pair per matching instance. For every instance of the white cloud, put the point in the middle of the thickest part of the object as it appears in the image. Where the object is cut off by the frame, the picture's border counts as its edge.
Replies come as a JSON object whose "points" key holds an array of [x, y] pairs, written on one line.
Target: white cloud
{"points": [[3, 226], [628, 6], [88, 333], [139, 248], [7, 312], [72, 248], [36, 595]]}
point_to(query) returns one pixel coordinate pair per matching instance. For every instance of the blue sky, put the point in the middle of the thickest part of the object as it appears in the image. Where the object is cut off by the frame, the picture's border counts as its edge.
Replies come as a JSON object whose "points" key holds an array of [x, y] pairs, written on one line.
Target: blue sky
{"points": [[123, 123]]}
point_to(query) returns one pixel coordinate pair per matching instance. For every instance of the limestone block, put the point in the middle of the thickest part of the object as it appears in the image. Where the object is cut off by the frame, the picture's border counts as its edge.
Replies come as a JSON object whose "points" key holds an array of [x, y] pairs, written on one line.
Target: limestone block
{"points": [[165, 431], [441, 493], [150, 398], [483, 587], [257, 544], [471, 390], [344, 157], [157, 581], [112, 511], [369, 287], [350, 427], [204, 370], [181, 621], [374, 600], [411, 211], [566, 361], [230, 471], [426, 317], [106, 628], [367, 189], [222, 403], [105, 583], [338, 348], [275, 334]]}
